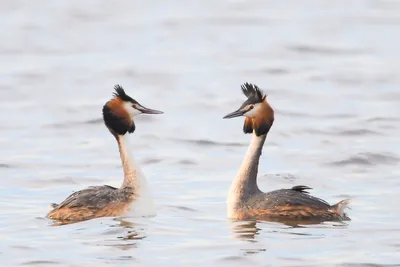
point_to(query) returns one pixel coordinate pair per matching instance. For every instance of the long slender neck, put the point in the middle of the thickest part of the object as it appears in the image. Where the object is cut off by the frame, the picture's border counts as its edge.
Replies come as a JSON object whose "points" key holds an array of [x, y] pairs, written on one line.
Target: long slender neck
{"points": [[245, 183], [131, 172], [135, 182]]}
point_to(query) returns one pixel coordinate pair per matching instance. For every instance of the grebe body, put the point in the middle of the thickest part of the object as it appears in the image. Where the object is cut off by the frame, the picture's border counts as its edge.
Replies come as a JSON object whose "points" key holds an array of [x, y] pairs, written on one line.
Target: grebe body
{"points": [[245, 200], [133, 197]]}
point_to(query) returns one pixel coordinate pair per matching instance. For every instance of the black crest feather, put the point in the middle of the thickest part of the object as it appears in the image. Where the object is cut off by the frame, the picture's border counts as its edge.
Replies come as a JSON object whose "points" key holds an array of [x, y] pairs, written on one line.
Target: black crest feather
{"points": [[120, 92], [253, 92]]}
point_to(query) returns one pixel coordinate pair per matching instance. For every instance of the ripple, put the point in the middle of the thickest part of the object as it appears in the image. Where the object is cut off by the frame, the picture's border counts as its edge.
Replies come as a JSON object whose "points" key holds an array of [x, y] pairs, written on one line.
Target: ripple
{"points": [[351, 132], [39, 262], [368, 159], [383, 119], [182, 208], [94, 121], [368, 265], [231, 21], [24, 247], [202, 142], [357, 132], [64, 181], [5, 166], [152, 161], [297, 114], [64, 125], [121, 258], [239, 259], [320, 50], [276, 71], [316, 132], [186, 162], [288, 177]]}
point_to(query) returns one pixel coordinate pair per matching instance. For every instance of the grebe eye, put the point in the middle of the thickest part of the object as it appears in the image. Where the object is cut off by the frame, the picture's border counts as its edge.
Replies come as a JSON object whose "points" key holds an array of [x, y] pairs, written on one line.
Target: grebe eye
{"points": [[251, 107]]}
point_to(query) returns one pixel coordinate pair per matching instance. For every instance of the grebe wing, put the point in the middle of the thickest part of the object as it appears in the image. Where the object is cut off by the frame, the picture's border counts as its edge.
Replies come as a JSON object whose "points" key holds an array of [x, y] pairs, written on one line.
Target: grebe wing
{"points": [[290, 203], [297, 196], [94, 197]]}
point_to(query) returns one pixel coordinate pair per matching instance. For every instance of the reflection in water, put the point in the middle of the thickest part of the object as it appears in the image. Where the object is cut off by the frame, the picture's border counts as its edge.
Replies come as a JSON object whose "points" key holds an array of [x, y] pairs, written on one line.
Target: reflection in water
{"points": [[126, 237], [134, 232], [298, 223], [61, 223], [249, 232], [246, 230]]}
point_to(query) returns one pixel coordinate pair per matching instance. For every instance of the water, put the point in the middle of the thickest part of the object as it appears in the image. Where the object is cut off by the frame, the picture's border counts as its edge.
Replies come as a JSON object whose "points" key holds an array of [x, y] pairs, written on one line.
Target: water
{"points": [[330, 68]]}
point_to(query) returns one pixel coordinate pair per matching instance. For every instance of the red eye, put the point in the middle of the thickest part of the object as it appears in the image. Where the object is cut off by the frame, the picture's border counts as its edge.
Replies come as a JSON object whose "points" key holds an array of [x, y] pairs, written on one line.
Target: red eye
{"points": [[251, 107]]}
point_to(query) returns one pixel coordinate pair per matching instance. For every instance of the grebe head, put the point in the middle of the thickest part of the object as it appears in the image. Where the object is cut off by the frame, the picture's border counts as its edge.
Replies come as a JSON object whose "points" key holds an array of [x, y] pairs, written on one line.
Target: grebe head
{"points": [[118, 113], [259, 114]]}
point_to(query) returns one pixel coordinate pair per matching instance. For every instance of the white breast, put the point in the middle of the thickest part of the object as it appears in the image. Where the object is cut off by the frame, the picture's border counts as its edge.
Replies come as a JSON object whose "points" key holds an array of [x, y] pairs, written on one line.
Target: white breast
{"points": [[144, 204]]}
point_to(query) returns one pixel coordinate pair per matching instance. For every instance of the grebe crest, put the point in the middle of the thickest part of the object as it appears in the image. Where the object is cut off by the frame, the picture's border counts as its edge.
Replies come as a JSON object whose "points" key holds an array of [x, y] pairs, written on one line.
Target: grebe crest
{"points": [[245, 200]]}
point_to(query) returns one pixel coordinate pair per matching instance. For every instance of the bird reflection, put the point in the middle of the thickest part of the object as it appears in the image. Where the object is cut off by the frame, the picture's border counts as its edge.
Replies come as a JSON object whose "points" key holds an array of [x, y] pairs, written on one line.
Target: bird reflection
{"points": [[61, 223], [246, 230], [134, 232], [129, 233], [296, 223]]}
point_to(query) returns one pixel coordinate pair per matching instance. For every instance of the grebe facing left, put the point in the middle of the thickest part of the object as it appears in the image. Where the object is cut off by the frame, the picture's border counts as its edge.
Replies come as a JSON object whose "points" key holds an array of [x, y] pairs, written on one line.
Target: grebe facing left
{"points": [[103, 201], [246, 200]]}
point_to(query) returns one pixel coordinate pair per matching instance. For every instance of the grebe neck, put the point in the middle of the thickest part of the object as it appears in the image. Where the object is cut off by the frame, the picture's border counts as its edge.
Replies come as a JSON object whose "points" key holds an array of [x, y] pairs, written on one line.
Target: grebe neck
{"points": [[245, 183], [133, 177], [135, 182]]}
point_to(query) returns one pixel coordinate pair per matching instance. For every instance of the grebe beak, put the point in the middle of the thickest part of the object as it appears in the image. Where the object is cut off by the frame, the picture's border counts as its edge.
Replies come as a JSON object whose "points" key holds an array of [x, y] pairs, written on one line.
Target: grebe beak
{"points": [[145, 110], [235, 114]]}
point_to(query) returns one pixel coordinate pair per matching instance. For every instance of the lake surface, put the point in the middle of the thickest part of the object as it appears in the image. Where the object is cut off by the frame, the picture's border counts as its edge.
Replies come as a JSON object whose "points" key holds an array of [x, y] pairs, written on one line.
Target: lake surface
{"points": [[331, 72]]}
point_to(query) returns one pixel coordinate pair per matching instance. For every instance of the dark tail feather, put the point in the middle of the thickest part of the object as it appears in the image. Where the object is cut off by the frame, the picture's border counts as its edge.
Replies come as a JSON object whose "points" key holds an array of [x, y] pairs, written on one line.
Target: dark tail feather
{"points": [[53, 205], [340, 207]]}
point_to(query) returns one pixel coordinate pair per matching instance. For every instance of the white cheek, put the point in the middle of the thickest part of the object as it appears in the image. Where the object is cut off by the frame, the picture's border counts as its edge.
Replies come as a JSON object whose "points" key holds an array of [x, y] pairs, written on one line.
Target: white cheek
{"points": [[135, 112], [254, 112], [131, 110]]}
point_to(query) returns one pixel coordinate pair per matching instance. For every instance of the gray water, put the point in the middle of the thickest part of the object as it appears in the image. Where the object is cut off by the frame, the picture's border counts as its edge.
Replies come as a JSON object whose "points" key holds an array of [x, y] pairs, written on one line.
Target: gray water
{"points": [[331, 72]]}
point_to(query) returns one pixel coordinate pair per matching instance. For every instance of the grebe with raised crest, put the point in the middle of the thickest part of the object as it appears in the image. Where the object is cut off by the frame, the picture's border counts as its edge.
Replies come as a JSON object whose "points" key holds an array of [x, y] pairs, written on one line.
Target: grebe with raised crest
{"points": [[245, 200], [106, 201]]}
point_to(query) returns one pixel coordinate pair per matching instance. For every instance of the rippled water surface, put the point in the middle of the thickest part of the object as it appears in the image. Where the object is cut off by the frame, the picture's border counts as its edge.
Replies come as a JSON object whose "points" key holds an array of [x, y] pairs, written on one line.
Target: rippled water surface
{"points": [[331, 71]]}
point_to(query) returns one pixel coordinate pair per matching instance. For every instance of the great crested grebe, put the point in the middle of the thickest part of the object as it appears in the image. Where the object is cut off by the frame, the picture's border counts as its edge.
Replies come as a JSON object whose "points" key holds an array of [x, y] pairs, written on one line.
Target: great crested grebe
{"points": [[246, 200], [104, 201]]}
